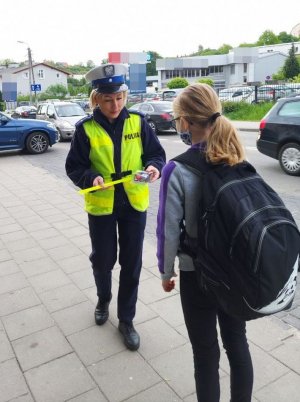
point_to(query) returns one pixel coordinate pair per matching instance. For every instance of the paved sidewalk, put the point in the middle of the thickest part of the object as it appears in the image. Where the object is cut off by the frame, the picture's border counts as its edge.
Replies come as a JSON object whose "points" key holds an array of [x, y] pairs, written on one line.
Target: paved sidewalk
{"points": [[50, 348], [246, 125]]}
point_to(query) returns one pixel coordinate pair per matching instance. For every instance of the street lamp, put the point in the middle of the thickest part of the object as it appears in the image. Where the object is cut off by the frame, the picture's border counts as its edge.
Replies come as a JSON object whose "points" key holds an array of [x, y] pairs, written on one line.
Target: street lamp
{"points": [[31, 75]]}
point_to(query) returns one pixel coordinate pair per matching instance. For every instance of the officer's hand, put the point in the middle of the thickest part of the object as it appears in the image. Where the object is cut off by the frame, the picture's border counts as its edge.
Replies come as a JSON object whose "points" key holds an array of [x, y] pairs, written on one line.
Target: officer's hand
{"points": [[98, 181], [154, 173]]}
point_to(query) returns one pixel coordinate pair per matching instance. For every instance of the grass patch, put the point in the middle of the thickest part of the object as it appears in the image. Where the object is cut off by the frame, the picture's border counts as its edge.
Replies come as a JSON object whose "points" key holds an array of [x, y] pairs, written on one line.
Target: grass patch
{"points": [[246, 112]]}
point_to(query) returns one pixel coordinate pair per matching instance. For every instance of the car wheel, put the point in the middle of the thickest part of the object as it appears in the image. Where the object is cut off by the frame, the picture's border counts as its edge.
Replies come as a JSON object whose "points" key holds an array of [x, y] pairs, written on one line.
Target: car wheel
{"points": [[289, 159], [37, 143], [153, 126], [59, 136]]}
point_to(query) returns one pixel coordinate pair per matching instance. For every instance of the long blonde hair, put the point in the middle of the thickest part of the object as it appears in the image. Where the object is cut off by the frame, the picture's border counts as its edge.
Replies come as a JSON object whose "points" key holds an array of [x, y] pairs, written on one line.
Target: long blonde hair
{"points": [[95, 97], [199, 104]]}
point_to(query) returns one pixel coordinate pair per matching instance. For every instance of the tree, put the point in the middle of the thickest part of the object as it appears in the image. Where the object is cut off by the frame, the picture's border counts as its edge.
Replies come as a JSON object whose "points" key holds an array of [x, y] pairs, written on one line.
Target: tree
{"points": [[76, 87], [267, 38], [151, 67], [224, 49], [244, 44], [177, 83], [296, 79], [6, 62], [279, 75], [291, 66], [207, 81], [90, 64], [286, 38], [55, 91]]}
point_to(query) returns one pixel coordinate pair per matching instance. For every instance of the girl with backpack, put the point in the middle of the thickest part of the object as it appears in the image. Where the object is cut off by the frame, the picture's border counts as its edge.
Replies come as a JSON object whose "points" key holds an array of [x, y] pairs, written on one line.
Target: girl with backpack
{"points": [[200, 124]]}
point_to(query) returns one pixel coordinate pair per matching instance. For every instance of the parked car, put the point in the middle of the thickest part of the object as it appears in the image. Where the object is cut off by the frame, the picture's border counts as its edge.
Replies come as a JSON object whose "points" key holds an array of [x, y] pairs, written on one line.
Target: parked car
{"points": [[273, 92], [237, 94], [64, 115], [31, 135], [24, 112], [84, 103], [279, 135], [159, 115], [170, 94], [151, 97], [24, 103], [134, 98]]}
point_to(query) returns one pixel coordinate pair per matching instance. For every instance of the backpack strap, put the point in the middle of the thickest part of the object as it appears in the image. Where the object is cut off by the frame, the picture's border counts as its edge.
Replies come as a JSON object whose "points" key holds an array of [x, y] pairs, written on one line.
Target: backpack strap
{"points": [[193, 158], [196, 159]]}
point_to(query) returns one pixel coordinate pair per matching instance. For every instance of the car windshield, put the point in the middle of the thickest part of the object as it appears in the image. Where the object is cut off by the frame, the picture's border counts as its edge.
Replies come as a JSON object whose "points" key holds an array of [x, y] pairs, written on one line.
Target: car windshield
{"points": [[162, 106], [69, 110]]}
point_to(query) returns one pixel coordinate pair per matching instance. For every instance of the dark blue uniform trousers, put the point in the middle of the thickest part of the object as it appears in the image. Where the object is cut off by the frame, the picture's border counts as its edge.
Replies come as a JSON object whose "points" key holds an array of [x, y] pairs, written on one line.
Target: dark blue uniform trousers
{"points": [[127, 226]]}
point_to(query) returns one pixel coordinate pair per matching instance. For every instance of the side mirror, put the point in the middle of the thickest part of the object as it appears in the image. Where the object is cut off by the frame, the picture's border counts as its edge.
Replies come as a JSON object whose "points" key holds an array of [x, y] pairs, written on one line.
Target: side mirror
{"points": [[52, 116]]}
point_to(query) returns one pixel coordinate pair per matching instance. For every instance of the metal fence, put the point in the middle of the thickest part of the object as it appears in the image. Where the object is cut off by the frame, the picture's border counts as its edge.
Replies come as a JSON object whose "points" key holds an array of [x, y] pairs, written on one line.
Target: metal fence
{"points": [[268, 92]]}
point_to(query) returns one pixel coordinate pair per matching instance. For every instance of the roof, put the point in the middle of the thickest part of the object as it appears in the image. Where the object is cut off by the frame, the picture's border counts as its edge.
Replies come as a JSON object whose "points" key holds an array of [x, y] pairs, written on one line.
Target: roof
{"points": [[15, 70]]}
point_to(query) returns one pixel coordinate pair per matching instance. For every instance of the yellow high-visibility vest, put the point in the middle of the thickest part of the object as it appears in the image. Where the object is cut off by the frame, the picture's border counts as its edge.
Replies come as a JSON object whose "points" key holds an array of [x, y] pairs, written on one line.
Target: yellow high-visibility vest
{"points": [[102, 161]]}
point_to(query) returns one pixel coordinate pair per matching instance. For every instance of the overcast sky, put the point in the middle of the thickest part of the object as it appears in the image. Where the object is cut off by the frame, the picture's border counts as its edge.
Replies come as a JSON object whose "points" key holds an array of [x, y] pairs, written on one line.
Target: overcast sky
{"points": [[78, 31]]}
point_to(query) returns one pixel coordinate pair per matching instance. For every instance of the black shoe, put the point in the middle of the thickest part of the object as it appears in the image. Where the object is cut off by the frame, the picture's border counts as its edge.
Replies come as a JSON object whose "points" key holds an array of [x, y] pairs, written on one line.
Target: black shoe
{"points": [[130, 336], [102, 312]]}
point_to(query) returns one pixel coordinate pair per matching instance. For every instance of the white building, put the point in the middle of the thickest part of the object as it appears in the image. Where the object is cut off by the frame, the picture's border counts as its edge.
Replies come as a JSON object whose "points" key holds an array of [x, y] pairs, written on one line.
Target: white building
{"points": [[15, 81], [240, 66], [280, 47]]}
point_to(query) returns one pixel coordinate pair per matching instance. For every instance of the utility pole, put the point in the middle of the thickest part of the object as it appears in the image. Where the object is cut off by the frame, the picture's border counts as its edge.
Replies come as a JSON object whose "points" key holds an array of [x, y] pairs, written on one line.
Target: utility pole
{"points": [[31, 74]]}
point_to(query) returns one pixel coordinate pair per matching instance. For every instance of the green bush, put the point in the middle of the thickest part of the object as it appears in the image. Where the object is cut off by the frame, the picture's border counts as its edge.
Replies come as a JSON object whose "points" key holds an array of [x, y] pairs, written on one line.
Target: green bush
{"points": [[177, 83], [2, 106], [207, 81]]}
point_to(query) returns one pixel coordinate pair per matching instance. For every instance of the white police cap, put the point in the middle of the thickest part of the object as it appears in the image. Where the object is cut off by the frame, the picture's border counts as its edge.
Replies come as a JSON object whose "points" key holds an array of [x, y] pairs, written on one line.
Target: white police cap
{"points": [[108, 78]]}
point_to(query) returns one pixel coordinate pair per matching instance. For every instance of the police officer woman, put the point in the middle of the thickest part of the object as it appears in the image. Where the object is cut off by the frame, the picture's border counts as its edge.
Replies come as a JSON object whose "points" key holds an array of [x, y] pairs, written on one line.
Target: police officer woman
{"points": [[111, 144]]}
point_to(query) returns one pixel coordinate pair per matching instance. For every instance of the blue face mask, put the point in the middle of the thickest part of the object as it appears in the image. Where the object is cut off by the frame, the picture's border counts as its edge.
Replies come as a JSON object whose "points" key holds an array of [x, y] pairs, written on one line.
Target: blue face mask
{"points": [[186, 137]]}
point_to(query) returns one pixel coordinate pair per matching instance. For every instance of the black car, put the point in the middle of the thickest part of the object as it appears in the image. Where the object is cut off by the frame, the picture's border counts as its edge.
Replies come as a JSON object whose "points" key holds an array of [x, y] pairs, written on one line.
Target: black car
{"points": [[159, 115], [279, 135]]}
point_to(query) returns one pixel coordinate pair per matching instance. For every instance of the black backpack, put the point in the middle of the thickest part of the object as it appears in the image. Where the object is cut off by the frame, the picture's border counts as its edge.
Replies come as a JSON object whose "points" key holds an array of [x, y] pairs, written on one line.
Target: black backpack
{"points": [[247, 251]]}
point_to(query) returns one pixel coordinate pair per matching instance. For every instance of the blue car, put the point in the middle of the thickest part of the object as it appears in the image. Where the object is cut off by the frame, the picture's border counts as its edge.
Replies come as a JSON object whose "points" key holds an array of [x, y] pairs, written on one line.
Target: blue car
{"points": [[34, 136]]}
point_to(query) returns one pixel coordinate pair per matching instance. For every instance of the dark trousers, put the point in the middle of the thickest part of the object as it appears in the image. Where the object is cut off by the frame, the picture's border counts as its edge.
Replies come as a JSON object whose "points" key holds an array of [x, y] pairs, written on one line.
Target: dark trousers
{"points": [[127, 227], [200, 314]]}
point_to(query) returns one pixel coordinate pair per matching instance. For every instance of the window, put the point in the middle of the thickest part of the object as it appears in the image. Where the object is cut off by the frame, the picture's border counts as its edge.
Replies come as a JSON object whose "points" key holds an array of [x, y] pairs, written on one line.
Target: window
{"points": [[58, 75], [51, 110], [232, 69], [26, 75], [245, 67], [146, 108], [41, 74], [42, 109], [290, 109], [215, 69]]}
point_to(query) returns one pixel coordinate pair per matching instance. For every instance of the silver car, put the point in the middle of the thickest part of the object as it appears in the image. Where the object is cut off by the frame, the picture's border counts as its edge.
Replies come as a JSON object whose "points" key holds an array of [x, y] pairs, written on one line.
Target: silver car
{"points": [[64, 115]]}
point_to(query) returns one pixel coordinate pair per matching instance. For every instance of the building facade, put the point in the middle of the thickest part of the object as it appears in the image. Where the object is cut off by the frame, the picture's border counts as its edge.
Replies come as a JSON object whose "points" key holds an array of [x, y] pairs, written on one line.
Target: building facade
{"points": [[240, 66], [15, 81]]}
